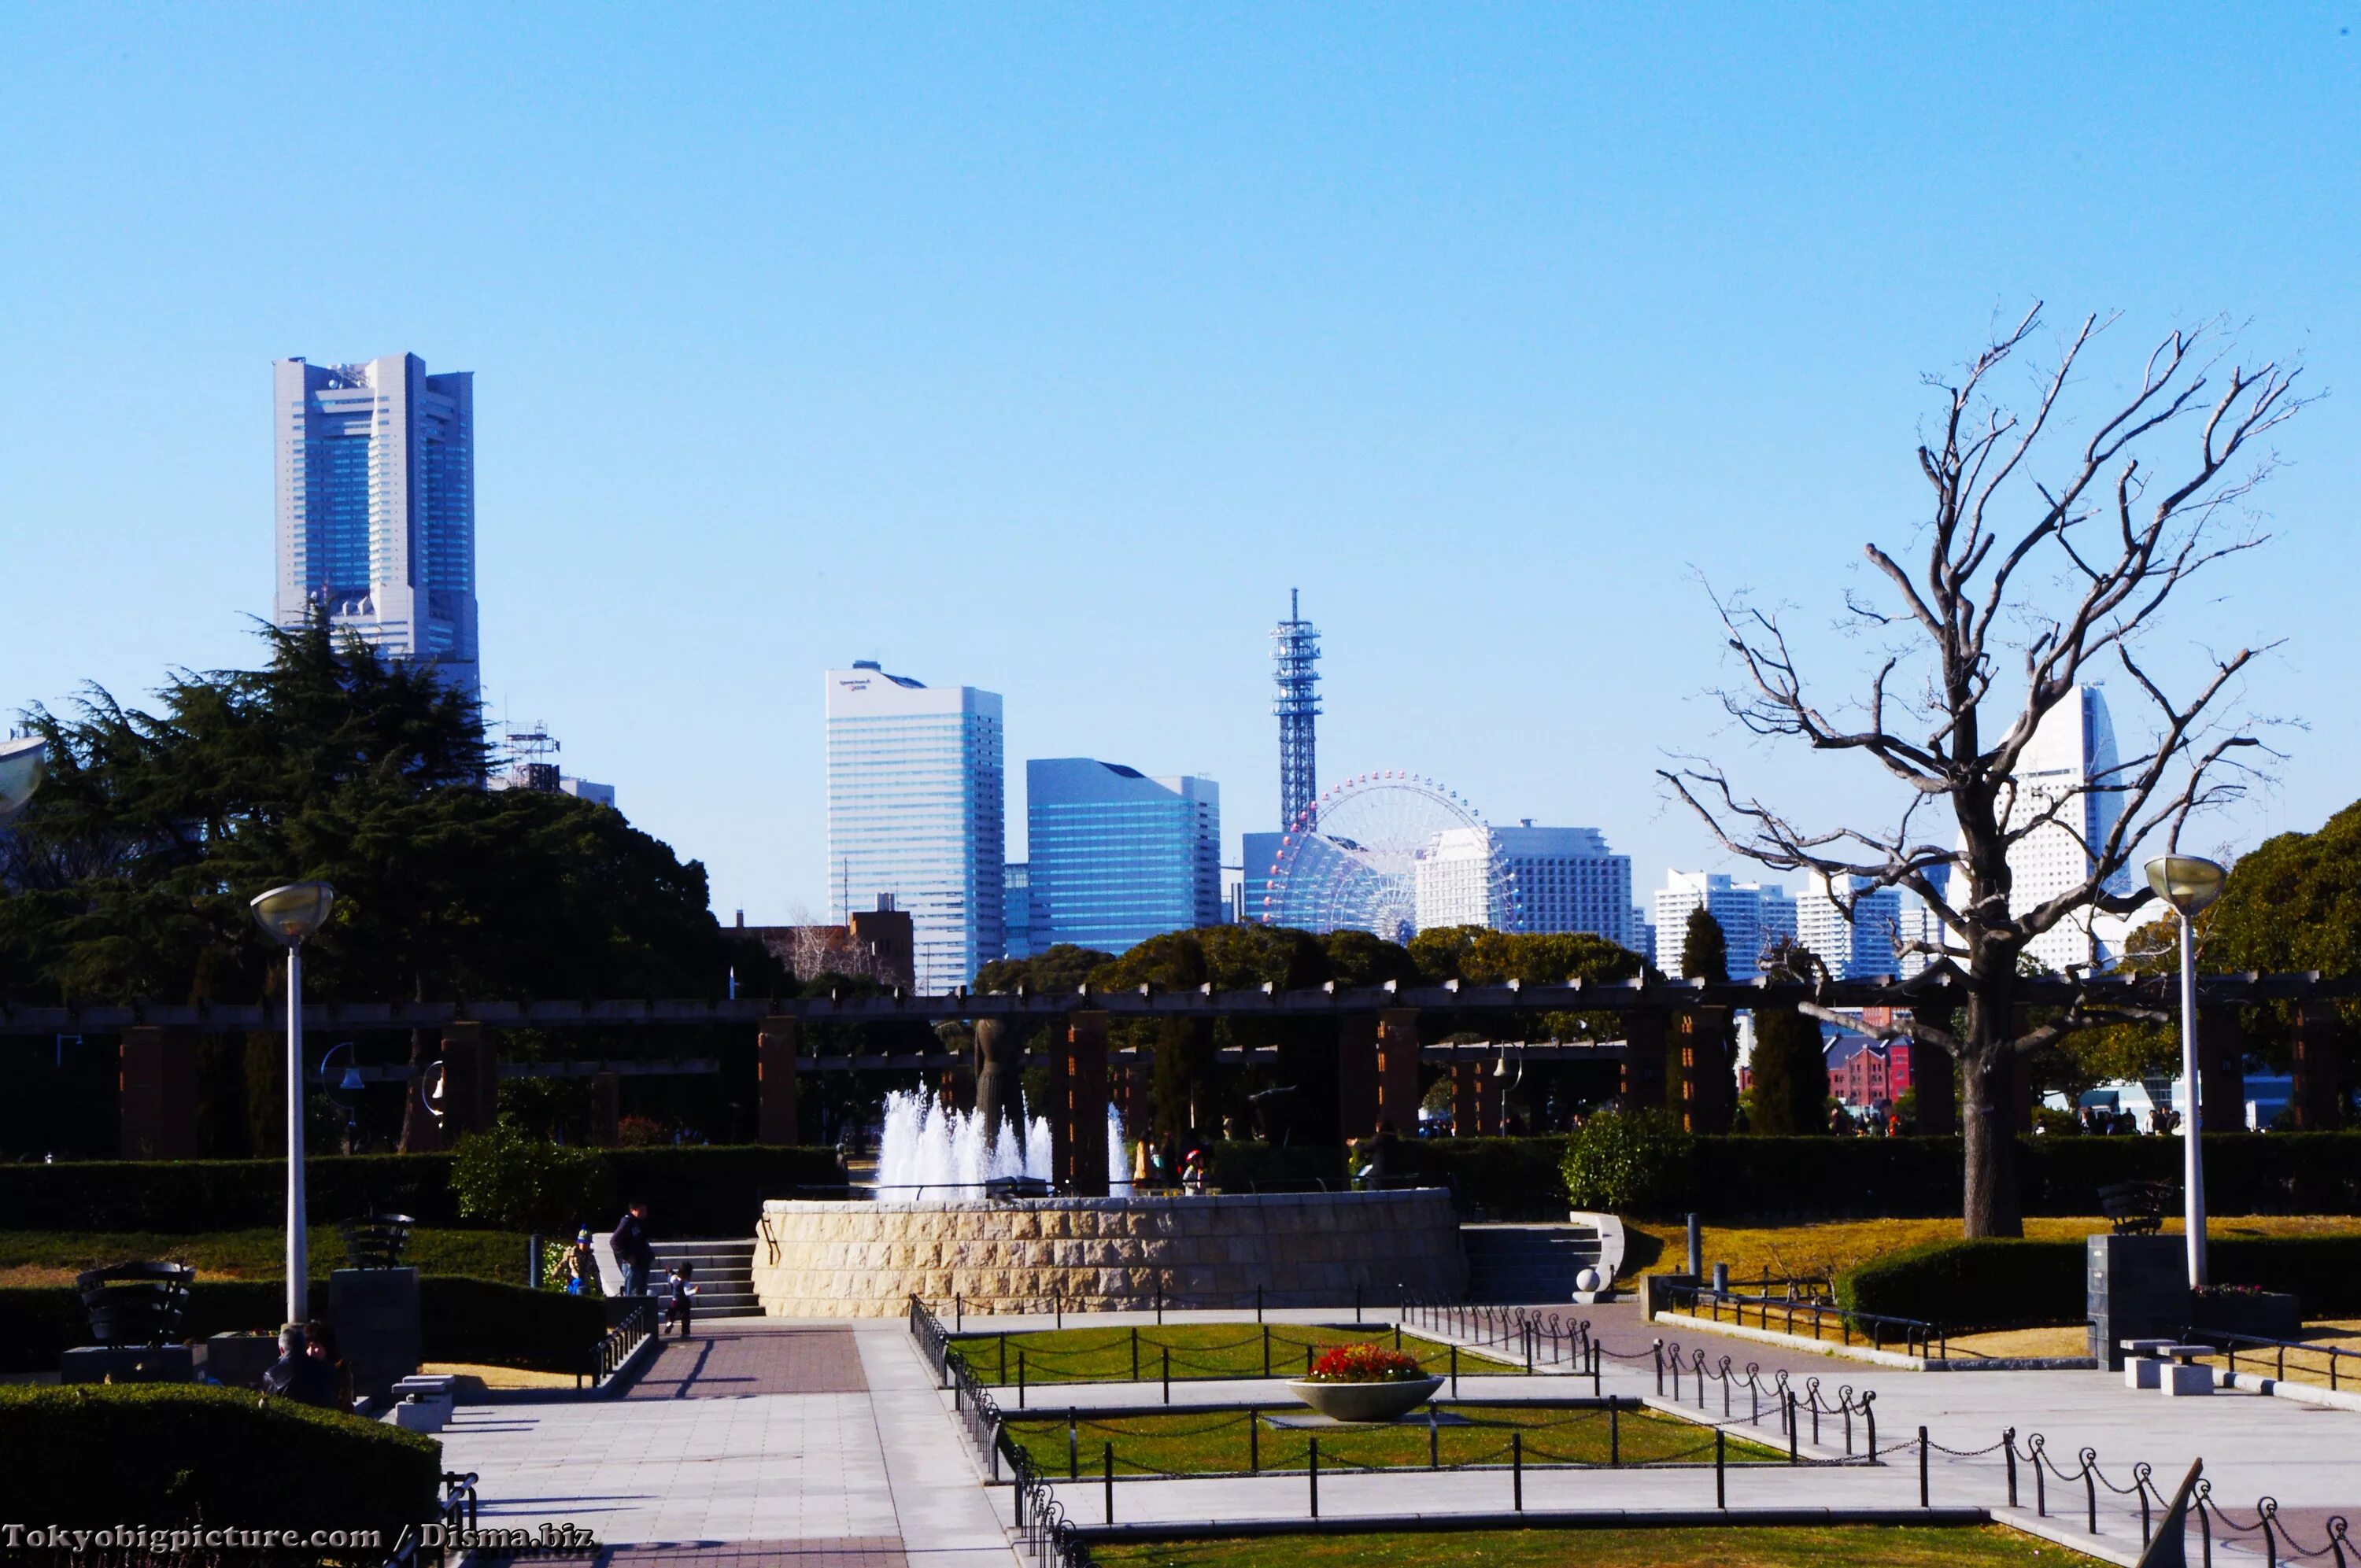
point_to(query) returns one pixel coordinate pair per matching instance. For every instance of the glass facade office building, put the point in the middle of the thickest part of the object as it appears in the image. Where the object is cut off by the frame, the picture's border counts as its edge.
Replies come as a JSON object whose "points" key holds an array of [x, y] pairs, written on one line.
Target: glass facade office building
{"points": [[916, 807], [376, 506], [1116, 856]]}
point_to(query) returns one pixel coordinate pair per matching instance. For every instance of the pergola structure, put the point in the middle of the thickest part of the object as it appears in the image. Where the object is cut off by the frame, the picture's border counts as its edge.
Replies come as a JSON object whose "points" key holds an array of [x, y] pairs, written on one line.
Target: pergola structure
{"points": [[1377, 1028]]}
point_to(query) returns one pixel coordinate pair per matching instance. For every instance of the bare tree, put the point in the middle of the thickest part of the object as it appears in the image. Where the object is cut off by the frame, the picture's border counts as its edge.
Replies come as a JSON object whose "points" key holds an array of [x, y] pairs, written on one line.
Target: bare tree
{"points": [[2094, 551]]}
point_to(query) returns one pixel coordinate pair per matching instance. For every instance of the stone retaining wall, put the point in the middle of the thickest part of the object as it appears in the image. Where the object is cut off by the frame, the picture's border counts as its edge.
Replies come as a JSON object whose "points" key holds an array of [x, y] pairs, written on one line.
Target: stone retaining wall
{"points": [[859, 1259]]}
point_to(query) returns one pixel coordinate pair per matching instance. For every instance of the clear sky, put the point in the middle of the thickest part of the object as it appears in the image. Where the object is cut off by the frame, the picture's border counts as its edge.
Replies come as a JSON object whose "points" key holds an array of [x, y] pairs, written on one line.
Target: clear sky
{"points": [[1045, 349]]}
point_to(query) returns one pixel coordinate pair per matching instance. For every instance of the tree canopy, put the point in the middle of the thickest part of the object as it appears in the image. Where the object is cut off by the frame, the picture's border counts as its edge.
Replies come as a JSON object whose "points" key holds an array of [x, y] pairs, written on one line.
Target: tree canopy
{"points": [[128, 877]]}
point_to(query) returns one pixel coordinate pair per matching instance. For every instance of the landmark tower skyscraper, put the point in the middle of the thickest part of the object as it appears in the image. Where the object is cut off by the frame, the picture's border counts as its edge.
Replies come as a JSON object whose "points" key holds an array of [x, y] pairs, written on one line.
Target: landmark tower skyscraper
{"points": [[376, 481]]}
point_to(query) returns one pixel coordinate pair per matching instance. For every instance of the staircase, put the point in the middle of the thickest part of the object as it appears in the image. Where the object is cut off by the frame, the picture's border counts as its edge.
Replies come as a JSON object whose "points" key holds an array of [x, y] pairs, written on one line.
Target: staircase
{"points": [[1527, 1264], [724, 1277]]}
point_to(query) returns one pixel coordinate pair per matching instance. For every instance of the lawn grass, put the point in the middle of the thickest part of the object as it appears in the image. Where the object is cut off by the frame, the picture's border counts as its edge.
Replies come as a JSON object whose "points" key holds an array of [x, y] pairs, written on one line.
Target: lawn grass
{"points": [[1199, 1351], [54, 1257], [1822, 1251], [1210, 1442], [1823, 1546]]}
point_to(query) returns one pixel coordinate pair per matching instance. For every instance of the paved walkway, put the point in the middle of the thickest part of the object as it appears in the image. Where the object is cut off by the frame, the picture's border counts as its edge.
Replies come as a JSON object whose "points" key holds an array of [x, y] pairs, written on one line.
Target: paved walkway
{"points": [[758, 1444]]}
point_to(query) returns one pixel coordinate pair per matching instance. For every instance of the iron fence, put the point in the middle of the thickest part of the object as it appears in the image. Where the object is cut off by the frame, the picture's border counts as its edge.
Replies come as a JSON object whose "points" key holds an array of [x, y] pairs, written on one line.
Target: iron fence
{"points": [[616, 1347], [2276, 1351], [1042, 1526], [1916, 1335]]}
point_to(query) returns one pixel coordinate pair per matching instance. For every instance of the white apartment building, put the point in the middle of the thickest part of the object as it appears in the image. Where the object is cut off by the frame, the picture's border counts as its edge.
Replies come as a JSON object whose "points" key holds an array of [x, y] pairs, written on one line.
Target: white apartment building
{"points": [[1752, 916], [1858, 949], [1560, 879], [2071, 760]]}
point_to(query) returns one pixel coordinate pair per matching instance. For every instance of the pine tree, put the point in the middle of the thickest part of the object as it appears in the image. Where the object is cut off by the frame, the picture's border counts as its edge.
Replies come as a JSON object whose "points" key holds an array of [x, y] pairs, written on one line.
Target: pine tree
{"points": [[1705, 950], [1790, 1074]]}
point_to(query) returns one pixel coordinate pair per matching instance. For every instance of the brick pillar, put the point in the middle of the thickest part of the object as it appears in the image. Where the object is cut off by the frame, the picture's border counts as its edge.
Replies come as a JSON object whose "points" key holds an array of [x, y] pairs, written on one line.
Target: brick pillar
{"points": [[1356, 1075], [606, 1108], [470, 1081], [2316, 1098], [157, 1078], [2222, 1067], [1644, 1061], [774, 1081], [1078, 1106], [1708, 1085], [1397, 1095], [1474, 1100]]}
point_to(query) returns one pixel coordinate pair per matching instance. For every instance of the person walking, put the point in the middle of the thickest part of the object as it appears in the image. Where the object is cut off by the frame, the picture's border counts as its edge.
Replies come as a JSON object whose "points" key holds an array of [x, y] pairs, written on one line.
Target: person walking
{"points": [[632, 1253], [680, 1297]]}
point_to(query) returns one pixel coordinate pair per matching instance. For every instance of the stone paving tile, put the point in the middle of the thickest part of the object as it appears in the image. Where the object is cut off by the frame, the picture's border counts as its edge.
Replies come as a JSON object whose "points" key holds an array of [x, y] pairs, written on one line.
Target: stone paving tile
{"points": [[853, 1551], [733, 1362]]}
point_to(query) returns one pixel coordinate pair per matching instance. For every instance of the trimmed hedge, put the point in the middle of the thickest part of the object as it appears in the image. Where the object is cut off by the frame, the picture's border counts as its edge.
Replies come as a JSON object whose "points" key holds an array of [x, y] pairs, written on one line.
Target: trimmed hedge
{"points": [[1965, 1285], [696, 1190], [159, 1455], [1739, 1178], [460, 1319]]}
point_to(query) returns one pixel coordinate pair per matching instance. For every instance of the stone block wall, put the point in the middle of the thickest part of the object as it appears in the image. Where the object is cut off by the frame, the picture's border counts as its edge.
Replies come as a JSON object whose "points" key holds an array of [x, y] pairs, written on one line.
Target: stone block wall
{"points": [[867, 1260]]}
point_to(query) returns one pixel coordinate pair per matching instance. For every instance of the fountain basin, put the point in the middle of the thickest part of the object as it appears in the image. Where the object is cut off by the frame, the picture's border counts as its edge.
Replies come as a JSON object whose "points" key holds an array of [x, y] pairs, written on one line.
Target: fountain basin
{"points": [[1309, 1249]]}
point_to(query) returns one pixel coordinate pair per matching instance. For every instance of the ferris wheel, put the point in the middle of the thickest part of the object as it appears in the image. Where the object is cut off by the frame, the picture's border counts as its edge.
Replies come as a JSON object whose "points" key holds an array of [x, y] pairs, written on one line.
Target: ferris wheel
{"points": [[1353, 861]]}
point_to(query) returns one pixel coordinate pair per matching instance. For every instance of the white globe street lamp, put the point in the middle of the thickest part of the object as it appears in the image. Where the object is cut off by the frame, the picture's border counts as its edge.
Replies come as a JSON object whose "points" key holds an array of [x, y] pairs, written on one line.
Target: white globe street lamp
{"points": [[289, 915], [2189, 884], [23, 764]]}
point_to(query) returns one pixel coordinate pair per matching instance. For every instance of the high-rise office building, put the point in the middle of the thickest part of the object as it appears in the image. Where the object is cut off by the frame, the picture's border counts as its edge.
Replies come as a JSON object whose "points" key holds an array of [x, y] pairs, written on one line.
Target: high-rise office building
{"points": [[915, 808], [1752, 916], [1116, 857], [1858, 949], [2068, 780], [376, 506], [1564, 879]]}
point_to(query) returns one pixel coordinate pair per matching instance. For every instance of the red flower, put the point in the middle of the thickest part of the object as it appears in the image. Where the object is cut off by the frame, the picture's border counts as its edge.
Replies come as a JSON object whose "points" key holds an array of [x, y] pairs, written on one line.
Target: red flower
{"points": [[1364, 1364]]}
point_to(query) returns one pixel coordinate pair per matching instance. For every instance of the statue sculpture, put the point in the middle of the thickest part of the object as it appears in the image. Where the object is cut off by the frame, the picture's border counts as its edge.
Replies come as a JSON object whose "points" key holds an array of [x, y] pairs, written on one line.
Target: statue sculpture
{"points": [[999, 1087]]}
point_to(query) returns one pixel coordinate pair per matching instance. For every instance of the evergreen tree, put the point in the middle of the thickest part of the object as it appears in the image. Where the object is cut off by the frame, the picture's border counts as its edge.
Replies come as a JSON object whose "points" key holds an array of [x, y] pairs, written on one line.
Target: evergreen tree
{"points": [[1790, 1075], [1705, 950]]}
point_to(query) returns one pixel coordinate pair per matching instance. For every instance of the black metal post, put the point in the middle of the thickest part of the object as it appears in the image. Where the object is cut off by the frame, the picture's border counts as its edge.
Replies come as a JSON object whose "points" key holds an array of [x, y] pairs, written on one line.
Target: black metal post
{"points": [[1253, 1441], [1454, 1372], [1356, 1306], [1020, 1379], [1135, 1353], [1257, 1303], [1614, 1433], [959, 1313], [1160, 1302], [1058, 1307], [1107, 1459], [1168, 1374], [1517, 1468], [1721, 1468], [1315, 1473], [1433, 1439], [1792, 1456], [1073, 1450], [2008, 1449], [1922, 1468], [1265, 1347]]}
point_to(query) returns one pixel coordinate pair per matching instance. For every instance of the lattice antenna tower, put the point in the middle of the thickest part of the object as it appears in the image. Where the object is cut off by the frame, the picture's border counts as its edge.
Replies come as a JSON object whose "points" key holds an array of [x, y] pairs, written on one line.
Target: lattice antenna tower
{"points": [[1295, 651], [529, 753]]}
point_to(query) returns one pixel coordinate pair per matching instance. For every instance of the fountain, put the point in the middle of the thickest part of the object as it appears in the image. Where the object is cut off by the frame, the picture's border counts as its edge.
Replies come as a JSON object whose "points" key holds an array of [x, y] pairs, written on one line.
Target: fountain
{"points": [[948, 1220], [932, 1150]]}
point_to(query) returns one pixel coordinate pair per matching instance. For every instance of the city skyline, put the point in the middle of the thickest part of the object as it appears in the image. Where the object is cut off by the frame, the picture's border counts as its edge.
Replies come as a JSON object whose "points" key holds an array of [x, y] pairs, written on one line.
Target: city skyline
{"points": [[1221, 324]]}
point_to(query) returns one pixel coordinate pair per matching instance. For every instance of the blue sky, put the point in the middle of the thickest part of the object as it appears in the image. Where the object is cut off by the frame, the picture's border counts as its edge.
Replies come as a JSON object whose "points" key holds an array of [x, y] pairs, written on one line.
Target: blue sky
{"points": [[1045, 349]]}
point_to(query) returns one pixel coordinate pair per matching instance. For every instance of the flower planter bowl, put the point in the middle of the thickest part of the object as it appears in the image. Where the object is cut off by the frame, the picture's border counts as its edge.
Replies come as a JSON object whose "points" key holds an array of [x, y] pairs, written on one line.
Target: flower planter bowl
{"points": [[1387, 1401]]}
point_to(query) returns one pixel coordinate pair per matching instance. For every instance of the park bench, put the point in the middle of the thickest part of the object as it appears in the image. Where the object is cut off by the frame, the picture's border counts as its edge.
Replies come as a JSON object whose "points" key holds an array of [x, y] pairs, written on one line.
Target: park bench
{"points": [[2135, 1207], [2168, 1367], [135, 1311]]}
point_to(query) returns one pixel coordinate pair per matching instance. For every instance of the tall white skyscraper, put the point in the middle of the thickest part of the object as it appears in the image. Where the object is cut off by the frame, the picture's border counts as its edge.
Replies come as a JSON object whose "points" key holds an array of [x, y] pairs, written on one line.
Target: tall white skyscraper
{"points": [[1117, 857], [2067, 769], [376, 506], [1751, 915], [917, 808], [1564, 879]]}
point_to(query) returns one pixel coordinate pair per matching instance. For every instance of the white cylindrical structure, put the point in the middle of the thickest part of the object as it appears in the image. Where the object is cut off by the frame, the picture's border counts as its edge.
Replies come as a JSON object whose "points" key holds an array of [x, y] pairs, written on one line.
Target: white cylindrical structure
{"points": [[298, 1266], [2193, 1163]]}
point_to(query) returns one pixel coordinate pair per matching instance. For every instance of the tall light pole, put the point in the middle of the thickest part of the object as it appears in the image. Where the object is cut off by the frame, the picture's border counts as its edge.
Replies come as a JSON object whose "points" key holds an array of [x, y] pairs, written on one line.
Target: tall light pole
{"points": [[22, 765], [289, 915], [2189, 884]]}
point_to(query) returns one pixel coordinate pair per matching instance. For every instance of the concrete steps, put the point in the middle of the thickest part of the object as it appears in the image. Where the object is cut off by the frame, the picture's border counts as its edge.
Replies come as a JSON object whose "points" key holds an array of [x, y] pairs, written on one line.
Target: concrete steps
{"points": [[1527, 1263], [724, 1277]]}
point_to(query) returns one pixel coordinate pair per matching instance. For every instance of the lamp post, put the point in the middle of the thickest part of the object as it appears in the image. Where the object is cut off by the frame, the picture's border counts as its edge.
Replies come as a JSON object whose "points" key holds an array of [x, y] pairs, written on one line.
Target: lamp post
{"points": [[23, 764], [289, 915], [2189, 884]]}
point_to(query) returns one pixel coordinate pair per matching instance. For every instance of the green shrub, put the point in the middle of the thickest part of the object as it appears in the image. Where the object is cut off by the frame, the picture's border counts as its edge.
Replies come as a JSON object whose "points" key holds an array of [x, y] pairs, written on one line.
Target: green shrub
{"points": [[1634, 1163], [513, 1181], [459, 1319], [1499, 1178], [163, 1455], [697, 1190], [1999, 1284]]}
